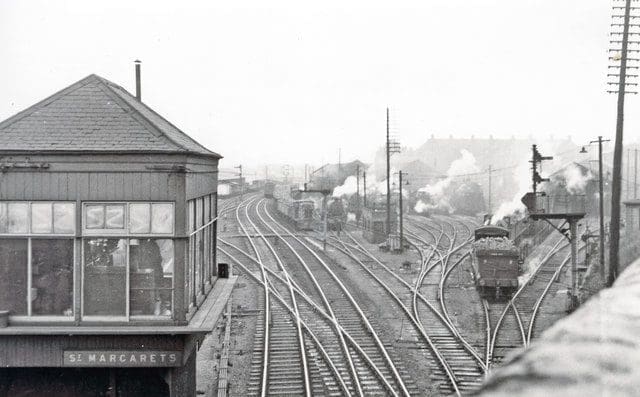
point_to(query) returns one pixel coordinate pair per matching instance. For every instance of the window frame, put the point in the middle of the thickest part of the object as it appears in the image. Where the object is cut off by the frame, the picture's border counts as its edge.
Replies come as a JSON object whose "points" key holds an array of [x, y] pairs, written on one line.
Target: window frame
{"points": [[125, 234], [29, 232], [125, 231], [200, 228], [29, 236]]}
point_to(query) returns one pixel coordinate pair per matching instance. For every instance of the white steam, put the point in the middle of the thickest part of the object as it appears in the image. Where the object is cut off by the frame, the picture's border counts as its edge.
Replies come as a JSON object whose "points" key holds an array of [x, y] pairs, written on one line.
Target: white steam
{"points": [[348, 188], [574, 178], [466, 164], [514, 207]]}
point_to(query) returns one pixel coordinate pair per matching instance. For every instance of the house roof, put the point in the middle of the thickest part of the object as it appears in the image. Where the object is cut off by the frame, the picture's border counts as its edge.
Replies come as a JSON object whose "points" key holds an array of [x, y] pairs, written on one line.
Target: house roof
{"points": [[94, 115]]}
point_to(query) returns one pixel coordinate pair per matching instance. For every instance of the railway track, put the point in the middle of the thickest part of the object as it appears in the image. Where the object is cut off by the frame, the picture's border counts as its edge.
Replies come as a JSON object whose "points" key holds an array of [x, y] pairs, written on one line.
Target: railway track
{"points": [[349, 314], [281, 344], [516, 322], [466, 364], [454, 364], [344, 353], [326, 379], [372, 367]]}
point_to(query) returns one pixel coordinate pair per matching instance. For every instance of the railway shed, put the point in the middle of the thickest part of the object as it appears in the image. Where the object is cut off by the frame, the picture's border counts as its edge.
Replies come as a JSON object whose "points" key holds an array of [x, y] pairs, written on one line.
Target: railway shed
{"points": [[108, 278]]}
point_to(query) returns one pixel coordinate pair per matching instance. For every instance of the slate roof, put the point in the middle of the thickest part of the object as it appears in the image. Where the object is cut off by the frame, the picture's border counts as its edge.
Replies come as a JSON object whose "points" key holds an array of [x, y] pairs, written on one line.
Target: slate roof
{"points": [[94, 115]]}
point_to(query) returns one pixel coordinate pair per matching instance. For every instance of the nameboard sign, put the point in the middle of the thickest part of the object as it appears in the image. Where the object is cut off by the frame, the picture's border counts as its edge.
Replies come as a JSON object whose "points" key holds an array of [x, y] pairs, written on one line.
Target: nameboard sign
{"points": [[122, 358]]}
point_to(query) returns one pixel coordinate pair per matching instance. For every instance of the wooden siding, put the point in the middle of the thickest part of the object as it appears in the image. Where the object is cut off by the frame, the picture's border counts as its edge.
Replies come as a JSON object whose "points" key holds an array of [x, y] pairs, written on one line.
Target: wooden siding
{"points": [[203, 180], [26, 185], [127, 177]]}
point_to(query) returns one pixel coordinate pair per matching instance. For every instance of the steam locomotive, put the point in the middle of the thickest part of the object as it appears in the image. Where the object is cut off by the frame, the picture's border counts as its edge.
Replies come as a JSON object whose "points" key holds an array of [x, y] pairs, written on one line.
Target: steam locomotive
{"points": [[496, 262], [336, 214]]}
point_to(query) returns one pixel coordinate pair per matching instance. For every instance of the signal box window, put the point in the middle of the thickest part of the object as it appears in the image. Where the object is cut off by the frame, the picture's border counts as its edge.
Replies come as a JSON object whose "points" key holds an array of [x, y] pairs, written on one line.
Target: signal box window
{"points": [[13, 275], [128, 260], [105, 277], [201, 217], [36, 258], [52, 277]]}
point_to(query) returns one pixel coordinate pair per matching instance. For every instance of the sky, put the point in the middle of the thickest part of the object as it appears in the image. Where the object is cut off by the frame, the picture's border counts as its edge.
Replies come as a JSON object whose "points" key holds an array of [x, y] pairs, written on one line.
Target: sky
{"points": [[294, 81]]}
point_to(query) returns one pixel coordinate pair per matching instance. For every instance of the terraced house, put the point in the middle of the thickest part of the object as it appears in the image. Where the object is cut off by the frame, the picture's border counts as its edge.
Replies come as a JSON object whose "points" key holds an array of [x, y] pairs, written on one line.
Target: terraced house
{"points": [[108, 274]]}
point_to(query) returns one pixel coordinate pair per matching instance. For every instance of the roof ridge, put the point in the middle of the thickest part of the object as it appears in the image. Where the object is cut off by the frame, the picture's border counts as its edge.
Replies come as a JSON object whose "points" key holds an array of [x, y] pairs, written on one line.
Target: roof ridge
{"points": [[40, 104], [95, 105], [169, 138], [147, 124]]}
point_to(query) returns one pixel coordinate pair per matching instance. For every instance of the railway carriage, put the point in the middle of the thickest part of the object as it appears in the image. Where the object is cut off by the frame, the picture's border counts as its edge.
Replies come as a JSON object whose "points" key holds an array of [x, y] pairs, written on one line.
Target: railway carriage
{"points": [[495, 260]]}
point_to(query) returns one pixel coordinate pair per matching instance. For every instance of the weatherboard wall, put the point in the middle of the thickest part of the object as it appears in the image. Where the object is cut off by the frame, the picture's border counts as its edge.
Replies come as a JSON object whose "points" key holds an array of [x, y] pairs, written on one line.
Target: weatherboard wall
{"points": [[112, 177]]}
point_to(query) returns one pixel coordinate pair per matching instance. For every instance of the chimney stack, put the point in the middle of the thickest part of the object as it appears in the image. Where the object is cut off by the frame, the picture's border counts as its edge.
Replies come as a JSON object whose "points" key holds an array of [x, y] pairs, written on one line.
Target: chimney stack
{"points": [[138, 87]]}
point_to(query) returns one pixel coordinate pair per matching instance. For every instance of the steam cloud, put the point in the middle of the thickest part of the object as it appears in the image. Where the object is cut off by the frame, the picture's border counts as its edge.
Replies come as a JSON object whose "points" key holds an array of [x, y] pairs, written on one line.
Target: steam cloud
{"points": [[466, 164], [574, 179], [348, 188]]}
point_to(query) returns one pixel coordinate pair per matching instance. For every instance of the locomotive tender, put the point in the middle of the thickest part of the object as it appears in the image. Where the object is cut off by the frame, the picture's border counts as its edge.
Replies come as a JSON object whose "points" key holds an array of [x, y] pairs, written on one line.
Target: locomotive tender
{"points": [[495, 260]]}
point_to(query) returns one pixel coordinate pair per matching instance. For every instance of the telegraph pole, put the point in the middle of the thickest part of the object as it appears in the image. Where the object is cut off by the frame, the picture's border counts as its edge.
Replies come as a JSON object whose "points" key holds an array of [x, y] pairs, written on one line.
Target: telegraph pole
{"points": [[358, 194], [601, 204], [239, 167], [401, 212], [617, 153], [364, 186], [388, 179], [489, 189], [635, 175], [392, 147], [628, 174]]}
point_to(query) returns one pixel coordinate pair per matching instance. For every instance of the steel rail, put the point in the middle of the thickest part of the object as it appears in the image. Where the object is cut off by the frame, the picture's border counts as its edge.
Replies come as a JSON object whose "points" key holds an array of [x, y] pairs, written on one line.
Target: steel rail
{"points": [[510, 304], [538, 303], [487, 322], [327, 305], [305, 368], [424, 269], [471, 349], [265, 361], [306, 327], [355, 305], [320, 311], [424, 300], [447, 369], [444, 260]]}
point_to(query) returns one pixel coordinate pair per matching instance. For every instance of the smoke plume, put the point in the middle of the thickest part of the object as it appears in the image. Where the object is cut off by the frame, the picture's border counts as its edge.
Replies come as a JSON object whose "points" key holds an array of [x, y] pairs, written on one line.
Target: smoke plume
{"points": [[437, 192], [348, 188], [574, 178]]}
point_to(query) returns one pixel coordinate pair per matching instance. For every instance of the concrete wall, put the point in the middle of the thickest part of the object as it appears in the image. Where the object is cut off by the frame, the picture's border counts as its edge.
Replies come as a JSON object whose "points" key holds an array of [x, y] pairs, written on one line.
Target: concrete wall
{"points": [[593, 352]]}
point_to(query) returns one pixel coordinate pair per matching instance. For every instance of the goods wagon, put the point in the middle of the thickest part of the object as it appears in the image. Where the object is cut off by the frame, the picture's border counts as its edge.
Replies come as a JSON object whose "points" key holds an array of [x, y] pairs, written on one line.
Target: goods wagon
{"points": [[297, 211]]}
